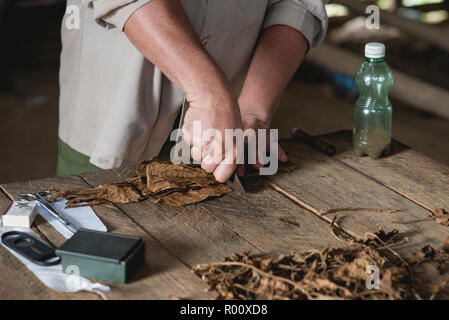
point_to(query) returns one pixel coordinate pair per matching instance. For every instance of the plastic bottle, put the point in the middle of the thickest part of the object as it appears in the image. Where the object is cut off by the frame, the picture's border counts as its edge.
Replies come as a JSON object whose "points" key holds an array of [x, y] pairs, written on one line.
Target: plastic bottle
{"points": [[373, 111]]}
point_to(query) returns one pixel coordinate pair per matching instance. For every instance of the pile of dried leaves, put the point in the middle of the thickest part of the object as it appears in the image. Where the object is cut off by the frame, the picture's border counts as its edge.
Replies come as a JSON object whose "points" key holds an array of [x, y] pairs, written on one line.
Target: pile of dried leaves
{"points": [[156, 180], [338, 273]]}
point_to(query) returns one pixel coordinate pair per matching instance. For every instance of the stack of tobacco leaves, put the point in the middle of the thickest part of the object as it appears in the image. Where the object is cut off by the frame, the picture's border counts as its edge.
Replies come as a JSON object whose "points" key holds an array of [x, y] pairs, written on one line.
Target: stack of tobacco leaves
{"points": [[338, 273], [156, 180]]}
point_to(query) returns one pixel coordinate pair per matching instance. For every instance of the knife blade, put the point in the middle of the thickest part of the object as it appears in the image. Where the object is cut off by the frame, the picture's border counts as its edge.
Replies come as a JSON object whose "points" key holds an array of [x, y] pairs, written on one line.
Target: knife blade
{"points": [[235, 183]]}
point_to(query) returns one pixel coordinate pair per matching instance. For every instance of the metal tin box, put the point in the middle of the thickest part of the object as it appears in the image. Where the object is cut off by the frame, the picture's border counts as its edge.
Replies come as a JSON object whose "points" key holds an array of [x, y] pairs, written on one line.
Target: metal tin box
{"points": [[103, 256]]}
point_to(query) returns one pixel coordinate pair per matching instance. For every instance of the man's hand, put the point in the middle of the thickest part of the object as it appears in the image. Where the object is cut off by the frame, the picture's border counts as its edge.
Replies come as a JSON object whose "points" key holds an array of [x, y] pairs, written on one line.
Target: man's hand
{"points": [[253, 121], [162, 32], [218, 111], [278, 55]]}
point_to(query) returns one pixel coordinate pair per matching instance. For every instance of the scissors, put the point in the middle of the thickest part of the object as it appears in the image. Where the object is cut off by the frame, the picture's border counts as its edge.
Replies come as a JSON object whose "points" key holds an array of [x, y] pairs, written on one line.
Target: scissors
{"points": [[41, 197]]}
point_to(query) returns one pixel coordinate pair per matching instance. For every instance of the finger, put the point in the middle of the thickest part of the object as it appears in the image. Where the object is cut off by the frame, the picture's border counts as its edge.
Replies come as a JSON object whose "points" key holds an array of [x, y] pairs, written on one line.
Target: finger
{"points": [[224, 171], [212, 157], [258, 166], [186, 135], [282, 155], [195, 151], [209, 166], [241, 170], [227, 167]]}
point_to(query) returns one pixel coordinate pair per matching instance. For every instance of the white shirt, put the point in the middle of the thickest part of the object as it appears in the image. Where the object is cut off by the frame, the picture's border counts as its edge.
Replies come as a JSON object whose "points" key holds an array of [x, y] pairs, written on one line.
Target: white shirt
{"points": [[116, 106]]}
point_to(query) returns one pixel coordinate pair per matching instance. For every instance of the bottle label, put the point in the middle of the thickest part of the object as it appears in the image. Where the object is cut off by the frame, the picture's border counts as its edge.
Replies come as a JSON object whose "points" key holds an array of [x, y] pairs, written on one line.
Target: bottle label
{"points": [[374, 59]]}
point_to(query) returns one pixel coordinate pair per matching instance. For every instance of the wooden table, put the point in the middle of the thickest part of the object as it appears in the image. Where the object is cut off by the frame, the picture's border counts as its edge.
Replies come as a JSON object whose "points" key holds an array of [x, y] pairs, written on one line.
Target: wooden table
{"points": [[287, 213]]}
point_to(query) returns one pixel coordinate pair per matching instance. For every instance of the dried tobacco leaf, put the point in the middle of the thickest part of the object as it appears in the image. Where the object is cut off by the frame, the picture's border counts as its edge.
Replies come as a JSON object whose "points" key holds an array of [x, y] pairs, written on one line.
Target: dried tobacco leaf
{"points": [[429, 253], [380, 238], [356, 269], [163, 175], [441, 216], [332, 273], [157, 180], [426, 253], [445, 245], [178, 199], [434, 261], [123, 192], [327, 274]]}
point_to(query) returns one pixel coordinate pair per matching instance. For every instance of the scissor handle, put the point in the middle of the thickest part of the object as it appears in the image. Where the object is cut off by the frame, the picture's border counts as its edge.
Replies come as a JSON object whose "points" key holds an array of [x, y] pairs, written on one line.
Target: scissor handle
{"points": [[41, 197], [27, 197], [44, 193]]}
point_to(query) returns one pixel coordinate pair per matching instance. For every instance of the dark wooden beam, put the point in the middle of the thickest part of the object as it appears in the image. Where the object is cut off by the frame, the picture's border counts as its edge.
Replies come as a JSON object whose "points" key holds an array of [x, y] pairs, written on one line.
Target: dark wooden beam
{"points": [[424, 32]]}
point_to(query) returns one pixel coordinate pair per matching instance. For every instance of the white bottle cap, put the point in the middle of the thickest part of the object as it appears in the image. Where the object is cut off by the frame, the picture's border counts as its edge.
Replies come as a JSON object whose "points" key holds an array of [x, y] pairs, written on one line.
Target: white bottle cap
{"points": [[374, 50]]}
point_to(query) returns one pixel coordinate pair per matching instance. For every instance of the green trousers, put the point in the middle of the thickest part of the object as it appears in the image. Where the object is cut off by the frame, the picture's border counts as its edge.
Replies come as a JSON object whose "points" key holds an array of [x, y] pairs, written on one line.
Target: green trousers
{"points": [[71, 162]]}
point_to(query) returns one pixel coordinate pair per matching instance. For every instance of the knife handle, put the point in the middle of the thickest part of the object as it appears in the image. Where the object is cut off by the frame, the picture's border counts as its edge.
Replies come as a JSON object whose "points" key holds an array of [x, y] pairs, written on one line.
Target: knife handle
{"points": [[314, 142]]}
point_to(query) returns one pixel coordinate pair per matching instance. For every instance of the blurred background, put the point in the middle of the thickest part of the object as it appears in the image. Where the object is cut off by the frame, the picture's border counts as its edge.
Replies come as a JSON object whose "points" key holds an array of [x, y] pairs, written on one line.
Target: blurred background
{"points": [[318, 100]]}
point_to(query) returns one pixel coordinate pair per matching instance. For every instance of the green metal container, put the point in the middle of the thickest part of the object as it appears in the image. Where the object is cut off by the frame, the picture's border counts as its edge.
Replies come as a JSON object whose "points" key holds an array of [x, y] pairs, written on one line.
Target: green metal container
{"points": [[103, 256]]}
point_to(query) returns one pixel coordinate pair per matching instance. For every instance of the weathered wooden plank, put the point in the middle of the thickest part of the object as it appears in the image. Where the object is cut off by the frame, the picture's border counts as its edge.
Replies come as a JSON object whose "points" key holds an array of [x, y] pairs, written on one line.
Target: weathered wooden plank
{"points": [[163, 275], [405, 171], [424, 32], [258, 220], [270, 221], [17, 282], [322, 183]]}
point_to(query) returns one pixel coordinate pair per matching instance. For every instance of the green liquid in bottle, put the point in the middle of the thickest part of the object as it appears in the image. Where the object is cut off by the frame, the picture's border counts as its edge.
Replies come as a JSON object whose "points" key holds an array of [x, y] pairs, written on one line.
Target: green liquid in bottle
{"points": [[373, 111]]}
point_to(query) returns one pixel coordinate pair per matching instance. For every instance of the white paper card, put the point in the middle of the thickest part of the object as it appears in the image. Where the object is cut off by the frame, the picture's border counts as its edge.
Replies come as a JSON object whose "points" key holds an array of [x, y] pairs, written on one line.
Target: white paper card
{"points": [[81, 217]]}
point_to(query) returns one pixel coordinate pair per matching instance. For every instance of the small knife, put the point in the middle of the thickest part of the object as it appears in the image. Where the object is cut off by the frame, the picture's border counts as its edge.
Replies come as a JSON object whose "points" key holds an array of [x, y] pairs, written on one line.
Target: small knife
{"points": [[314, 142], [235, 183]]}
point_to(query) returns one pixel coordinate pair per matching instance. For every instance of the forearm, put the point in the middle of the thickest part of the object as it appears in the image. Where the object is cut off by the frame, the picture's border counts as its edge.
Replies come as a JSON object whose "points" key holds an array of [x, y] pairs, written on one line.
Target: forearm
{"points": [[162, 32], [278, 54]]}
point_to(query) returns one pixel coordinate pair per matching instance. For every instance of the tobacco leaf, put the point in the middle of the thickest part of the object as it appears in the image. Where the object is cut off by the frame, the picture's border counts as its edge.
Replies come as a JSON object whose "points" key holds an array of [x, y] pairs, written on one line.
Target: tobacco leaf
{"points": [[429, 253], [163, 175], [178, 199], [356, 269], [445, 245], [380, 238], [438, 258], [157, 180], [332, 273], [441, 216], [426, 252], [123, 192]]}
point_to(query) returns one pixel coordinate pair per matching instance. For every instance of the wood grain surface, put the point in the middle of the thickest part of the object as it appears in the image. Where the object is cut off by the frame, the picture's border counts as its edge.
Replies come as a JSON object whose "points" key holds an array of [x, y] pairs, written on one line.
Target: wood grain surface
{"points": [[163, 275], [413, 175], [290, 211]]}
